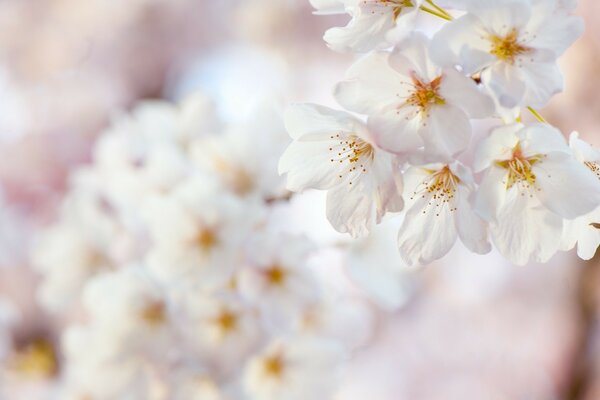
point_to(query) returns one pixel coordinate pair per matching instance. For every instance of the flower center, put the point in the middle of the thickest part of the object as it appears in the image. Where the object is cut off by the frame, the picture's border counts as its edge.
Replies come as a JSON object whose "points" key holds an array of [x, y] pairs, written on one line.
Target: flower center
{"points": [[154, 314], [353, 150], [38, 358], [275, 275], [507, 48], [397, 5], [239, 179], [520, 168], [425, 94], [594, 167], [226, 322], [440, 186], [206, 239], [274, 366]]}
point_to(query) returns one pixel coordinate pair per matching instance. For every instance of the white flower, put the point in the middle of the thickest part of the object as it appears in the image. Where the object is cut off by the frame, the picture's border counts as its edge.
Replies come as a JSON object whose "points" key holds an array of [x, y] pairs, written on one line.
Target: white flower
{"points": [[81, 245], [222, 328], [531, 182], [439, 211], [411, 102], [245, 157], [333, 151], [95, 369], [372, 23], [513, 45], [130, 309], [146, 152], [585, 230], [277, 278], [197, 231], [190, 383], [293, 369]]}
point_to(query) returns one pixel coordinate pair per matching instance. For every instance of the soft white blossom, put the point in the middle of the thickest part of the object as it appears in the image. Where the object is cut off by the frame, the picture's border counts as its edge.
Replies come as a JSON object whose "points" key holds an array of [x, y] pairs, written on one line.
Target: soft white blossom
{"points": [[293, 369], [374, 23], [438, 212], [411, 102], [277, 278], [531, 183], [512, 45], [585, 230], [334, 151]]}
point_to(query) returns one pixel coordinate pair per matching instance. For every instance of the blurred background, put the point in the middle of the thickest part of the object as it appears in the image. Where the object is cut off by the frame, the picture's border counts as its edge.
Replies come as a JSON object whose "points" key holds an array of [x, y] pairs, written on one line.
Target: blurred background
{"points": [[473, 327]]}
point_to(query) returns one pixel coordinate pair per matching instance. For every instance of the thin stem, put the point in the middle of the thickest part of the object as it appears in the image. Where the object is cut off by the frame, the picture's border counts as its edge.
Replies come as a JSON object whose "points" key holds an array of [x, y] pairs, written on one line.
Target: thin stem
{"points": [[439, 9], [536, 114], [436, 13]]}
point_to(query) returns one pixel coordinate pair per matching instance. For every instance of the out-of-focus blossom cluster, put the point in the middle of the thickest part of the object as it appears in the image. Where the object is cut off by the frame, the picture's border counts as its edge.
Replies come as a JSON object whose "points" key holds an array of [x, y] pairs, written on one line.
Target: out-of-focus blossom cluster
{"points": [[520, 184], [173, 250]]}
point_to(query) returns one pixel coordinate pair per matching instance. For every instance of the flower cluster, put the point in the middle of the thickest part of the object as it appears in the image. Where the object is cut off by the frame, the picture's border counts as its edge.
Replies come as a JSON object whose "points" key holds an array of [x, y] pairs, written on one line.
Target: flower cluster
{"points": [[188, 284], [412, 147]]}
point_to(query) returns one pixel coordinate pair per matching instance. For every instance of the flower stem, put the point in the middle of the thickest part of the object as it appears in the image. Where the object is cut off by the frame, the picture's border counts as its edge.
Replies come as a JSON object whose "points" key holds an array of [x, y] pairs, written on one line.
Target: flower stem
{"points": [[436, 13], [536, 114]]}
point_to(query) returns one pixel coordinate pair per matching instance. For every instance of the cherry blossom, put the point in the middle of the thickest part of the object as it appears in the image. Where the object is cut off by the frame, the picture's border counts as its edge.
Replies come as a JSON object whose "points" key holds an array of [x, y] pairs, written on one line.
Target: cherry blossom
{"points": [[411, 102], [512, 45], [334, 151], [439, 211], [585, 230], [531, 183]]}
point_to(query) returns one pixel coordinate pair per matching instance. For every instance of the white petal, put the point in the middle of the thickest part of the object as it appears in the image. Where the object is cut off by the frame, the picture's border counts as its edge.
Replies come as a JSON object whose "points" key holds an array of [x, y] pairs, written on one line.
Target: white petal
{"points": [[308, 165], [448, 130], [412, 56], [308, 119], [397, 131], [542, 139], [371, 86], [588, 242], [498, 146], [427, 233], [472, 230], [463, 92], [506, 81], [491, 194], [566, 186], [462, 42], [544, 80], [582, 150], [558, 33], [524, 231], [351, 210]]}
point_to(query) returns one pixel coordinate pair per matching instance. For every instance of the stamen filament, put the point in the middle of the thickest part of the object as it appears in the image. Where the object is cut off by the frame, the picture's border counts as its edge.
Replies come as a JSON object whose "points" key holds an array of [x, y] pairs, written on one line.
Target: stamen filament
{"points": [[439, 9], [436, 13], [537, 115]]}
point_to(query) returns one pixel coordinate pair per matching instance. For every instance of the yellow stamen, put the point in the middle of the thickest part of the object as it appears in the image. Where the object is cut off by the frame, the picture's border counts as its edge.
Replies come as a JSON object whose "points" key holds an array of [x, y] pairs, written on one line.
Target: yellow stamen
{"points": [[276, 275], [226, 321], [520, 168], [37, 359], [206, 239], [154, 314], [507, 48], [274, 366], [397, 6], [356, 151], [425, 94], [594, 167]]}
